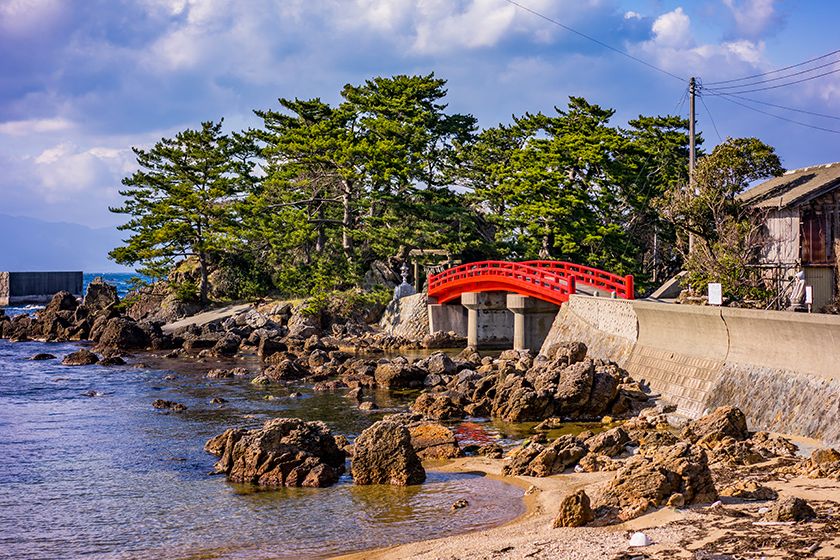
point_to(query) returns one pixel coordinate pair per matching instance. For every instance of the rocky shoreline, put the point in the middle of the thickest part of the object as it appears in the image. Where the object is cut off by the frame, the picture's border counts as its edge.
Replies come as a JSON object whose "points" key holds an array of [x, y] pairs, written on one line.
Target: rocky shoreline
{"points": [[642, 461]]}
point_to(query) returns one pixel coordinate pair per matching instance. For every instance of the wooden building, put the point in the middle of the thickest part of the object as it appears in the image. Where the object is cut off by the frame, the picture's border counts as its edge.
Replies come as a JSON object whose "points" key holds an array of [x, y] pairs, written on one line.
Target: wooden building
{"points": [[803, 224]]}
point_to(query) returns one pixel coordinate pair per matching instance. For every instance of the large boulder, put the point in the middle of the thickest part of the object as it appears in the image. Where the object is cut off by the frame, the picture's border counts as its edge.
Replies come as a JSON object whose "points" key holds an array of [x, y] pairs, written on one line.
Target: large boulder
{"points": [[122, 333], [651, 481], [284, 452], [433, 441], [383, 454], [437, 406], [536, 459], [575, 511], [517, 401], [100, 295], [609, 443], [81, 357], [574, 387], [723, 422], [399, 374]]}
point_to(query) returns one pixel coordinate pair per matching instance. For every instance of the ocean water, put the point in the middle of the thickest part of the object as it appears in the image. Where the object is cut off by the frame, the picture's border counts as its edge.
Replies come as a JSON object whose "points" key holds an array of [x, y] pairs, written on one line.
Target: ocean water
{"points": [[88, 469]]}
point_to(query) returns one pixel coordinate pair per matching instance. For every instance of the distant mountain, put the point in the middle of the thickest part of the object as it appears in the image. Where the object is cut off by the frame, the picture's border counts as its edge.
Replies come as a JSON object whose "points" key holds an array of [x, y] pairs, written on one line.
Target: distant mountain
{"points": [[27, 244]]}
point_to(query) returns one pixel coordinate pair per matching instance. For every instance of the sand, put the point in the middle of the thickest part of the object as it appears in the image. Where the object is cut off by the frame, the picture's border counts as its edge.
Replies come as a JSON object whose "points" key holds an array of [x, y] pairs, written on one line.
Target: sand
{"points": [[725, 531]]}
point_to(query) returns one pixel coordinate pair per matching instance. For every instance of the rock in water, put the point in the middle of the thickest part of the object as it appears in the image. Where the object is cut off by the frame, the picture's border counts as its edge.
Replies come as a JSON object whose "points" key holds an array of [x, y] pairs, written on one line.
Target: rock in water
{"points": [[123, 334], [284, 452], [433, 441], [41, 357], [384, 455], [575, 511], [100, 295], [80, 358]]}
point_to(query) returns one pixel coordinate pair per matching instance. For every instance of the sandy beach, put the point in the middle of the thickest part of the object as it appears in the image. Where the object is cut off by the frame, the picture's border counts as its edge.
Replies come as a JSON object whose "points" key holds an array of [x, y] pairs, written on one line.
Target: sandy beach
{"points": [[732, 529]]}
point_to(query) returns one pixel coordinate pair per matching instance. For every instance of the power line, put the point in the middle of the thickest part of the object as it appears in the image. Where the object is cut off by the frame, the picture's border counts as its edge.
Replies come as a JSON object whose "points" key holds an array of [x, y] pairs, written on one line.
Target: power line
{"points": [[593, 39], [785, 84], [800, 123], [779, 78], [711, 118], [775, 71], [751, 100]]}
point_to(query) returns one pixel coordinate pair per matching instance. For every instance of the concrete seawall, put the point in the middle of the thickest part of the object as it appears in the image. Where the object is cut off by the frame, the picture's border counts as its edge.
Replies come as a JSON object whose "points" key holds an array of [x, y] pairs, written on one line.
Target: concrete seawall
{"points": [[782, 369], [37, 287]]}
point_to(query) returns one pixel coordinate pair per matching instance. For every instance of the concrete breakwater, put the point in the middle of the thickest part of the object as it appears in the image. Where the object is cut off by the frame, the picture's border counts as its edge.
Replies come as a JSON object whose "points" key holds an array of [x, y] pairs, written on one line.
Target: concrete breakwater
{"points": [[782, 369], [37, 287]]}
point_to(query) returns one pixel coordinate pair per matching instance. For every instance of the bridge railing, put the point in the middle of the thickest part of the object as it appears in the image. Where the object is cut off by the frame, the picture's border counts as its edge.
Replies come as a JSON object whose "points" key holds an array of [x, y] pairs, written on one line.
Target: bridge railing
{"points": [[467, 277], [589, 276], [554, 279]]}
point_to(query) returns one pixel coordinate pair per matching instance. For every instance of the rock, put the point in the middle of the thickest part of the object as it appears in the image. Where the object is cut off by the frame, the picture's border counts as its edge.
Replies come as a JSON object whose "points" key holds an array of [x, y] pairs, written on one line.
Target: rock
{"points": [[441, 364], [218, 400], [575, 511], [570, 352], [42, 356], [283, 452], [724, 421], [227, 345], [123, 333], [398, 374], [433, 441], [535, 459], [261, 380], [270, 346], [383, 454], [287, 370], [460, 504], [790, 509], [772, 445], [355, 394], [574, 387], [440, 406], [517, 401], [609, 443], [168, 405], [749, 490], [368, 405], [112, 361], [649, 481], [553, 423], [443, 340], [295, 395], [100, 295], [218, 373], [592, 462], [491, 450], [80, 358]]}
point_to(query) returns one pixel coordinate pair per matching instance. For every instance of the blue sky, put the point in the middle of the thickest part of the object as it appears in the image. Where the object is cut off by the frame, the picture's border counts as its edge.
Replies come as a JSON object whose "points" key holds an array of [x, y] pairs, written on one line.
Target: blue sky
{"points": [[81, 82]]}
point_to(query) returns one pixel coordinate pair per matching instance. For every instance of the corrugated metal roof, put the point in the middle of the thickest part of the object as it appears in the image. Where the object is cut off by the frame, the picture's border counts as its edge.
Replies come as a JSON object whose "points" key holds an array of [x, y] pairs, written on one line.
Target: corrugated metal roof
{"points": [[794, 187]]}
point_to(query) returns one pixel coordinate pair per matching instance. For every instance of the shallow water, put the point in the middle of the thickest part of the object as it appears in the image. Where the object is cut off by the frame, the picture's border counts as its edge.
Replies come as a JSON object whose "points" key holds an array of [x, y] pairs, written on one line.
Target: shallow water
{"points": [[110, 477]]}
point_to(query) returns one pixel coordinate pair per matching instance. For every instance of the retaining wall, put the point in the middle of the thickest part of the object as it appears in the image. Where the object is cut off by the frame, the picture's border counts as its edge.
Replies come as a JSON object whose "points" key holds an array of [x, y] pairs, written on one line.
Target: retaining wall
{"points": [[37, 287], [782, 369], [407, 317]]}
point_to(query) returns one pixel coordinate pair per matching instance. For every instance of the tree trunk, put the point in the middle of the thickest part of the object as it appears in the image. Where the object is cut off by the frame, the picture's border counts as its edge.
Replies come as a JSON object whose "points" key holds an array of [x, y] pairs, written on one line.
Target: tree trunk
{"points": [[202, 262], [346, 222]]}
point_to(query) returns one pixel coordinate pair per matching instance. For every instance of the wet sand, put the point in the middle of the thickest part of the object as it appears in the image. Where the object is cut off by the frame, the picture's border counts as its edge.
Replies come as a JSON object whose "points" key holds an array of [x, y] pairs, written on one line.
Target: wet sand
{"points": [[732, 528]]}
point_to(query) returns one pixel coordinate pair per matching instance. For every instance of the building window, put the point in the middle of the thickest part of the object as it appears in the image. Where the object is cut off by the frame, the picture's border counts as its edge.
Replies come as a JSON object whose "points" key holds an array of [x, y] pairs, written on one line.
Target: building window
{"points": [[816, 227]]}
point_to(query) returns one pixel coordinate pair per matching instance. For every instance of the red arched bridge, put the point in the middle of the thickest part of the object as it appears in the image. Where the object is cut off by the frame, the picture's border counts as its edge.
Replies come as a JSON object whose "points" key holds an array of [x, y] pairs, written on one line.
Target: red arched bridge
{"points": [[551, 281]]}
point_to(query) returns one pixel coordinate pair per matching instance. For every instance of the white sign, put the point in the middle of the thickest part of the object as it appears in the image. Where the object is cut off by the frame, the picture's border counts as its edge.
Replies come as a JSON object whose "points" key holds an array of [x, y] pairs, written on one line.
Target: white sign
{"points": [[809, 295], [715, 294]]}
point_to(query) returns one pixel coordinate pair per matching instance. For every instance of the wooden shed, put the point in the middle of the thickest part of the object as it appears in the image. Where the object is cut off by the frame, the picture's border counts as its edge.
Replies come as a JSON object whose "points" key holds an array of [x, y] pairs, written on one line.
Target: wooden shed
{"points": [[803, 223]]}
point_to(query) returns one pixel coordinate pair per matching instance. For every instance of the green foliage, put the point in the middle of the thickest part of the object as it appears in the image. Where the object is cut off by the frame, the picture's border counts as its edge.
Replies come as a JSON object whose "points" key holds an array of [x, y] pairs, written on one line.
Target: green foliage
{"points": [[728, 235], [184, 200], [186, 291], [346, 303]]}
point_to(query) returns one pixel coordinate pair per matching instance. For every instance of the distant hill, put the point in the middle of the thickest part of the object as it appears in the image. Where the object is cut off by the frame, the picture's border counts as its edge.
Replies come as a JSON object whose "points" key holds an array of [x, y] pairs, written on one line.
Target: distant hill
{"points": [[27, 244]]}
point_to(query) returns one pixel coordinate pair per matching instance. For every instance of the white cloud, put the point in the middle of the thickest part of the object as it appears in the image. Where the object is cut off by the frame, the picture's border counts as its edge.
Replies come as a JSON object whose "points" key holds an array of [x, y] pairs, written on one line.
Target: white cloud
{"points": [[673, 29], [24, 16], [752, 17], [632, 15], [34, 126]]}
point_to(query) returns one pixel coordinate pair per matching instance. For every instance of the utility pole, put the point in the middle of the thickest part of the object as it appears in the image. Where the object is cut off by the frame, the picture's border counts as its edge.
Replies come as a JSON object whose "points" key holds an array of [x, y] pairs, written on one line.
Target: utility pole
{"points": [[691, 149]]}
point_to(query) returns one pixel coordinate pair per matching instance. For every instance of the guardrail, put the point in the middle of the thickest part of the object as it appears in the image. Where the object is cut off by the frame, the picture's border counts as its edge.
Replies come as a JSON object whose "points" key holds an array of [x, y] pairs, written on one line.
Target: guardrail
{"points": [[551, 281]]}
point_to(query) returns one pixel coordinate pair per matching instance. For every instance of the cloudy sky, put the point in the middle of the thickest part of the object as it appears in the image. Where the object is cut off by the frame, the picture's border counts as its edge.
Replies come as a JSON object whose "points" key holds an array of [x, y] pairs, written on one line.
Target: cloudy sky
{"points": [[83, 81]]}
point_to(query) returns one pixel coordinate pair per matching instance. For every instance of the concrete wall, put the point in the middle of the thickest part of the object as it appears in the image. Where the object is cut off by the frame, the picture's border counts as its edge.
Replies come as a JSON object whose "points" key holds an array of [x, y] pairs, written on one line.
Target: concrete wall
{"points": [[782, 369], [37, 287], [407, 317], [447, 317]]}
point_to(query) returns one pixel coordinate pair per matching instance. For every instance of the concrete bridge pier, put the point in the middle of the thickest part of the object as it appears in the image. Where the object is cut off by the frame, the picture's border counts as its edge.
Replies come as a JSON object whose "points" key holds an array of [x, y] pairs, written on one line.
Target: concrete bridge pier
{"points": [[532, 320], [489, 322], [447, 317]]}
